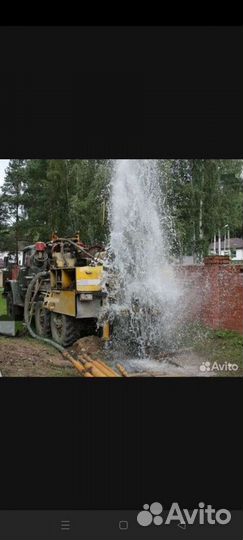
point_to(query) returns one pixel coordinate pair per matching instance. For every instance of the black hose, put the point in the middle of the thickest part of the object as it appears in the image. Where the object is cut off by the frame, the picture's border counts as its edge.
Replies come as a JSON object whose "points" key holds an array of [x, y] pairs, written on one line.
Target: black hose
{"points": [[26, 306]]}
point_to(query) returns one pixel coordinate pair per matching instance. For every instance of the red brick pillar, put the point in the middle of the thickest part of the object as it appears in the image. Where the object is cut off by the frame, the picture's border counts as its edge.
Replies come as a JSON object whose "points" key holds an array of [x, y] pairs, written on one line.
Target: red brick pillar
{"points": [[223, 306]]}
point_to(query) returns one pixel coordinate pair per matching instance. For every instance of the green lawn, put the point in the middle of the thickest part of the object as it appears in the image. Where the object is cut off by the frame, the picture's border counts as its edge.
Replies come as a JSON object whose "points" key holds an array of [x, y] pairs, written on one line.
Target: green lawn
{"points": [[217, 346], [20, 329], [3, 307], [223, 346]]}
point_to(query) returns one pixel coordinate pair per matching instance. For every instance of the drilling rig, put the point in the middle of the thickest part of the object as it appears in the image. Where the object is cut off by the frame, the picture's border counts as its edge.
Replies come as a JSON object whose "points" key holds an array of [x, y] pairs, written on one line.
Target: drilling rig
{"points": [[61, 288]]}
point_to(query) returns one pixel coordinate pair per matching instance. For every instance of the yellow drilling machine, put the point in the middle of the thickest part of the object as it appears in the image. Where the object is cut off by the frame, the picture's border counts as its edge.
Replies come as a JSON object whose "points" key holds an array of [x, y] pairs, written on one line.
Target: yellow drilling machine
{"points": [[61, 287]]}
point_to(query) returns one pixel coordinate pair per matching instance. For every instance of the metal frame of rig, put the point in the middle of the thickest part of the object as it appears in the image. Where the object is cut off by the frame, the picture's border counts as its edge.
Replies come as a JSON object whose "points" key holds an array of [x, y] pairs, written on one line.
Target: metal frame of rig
{"points": [[61, 286]]}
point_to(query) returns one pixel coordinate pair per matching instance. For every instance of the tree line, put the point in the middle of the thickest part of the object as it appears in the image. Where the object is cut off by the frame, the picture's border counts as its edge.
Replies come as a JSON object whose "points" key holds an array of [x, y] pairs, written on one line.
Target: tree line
{"points": [[41, 196]]}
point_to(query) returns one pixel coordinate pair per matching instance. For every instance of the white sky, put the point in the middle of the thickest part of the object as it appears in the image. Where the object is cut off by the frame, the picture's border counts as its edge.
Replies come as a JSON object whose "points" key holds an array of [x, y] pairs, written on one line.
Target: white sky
{"points": [[3, 165]]}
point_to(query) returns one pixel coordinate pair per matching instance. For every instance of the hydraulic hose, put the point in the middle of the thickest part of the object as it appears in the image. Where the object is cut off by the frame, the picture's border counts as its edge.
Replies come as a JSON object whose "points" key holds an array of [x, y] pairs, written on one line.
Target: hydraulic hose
{"points": [[26, 319]]}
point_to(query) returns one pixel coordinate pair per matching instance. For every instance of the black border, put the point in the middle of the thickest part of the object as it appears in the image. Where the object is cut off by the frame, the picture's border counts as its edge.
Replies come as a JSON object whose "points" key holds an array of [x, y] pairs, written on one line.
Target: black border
{"points": [[121, 92]]}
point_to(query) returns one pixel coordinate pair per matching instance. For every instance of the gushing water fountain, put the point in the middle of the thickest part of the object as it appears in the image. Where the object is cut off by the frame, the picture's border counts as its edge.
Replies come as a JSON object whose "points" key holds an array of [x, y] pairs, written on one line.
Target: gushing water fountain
{"points": [[146, 309]]}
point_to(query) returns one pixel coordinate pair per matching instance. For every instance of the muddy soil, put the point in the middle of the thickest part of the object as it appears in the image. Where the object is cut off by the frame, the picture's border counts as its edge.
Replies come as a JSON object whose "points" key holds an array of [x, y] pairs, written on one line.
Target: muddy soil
{"points": [[27, 357], [180, 364], [23, 356], [184, 363], [91, 345]]}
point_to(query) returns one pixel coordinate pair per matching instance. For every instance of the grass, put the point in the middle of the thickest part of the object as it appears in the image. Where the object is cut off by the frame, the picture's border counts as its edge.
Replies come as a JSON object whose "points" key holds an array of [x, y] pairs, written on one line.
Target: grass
{"points": [[3, 306], [20, 328], [218, 346], [222, 345]]}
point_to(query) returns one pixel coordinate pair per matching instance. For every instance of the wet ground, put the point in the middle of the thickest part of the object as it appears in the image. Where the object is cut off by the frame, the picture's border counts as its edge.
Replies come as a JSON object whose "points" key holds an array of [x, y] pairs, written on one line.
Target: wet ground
{"points": [[179, 364], [27, 357]]}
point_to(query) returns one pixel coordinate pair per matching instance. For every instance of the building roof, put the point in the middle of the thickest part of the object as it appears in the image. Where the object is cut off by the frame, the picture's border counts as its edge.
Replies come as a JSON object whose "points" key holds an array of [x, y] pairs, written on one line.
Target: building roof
{"points": [[235, 243]]}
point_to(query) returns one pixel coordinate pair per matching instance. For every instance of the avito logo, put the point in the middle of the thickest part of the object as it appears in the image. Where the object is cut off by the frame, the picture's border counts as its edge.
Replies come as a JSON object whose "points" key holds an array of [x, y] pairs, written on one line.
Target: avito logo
{"points": [[203, 515]]}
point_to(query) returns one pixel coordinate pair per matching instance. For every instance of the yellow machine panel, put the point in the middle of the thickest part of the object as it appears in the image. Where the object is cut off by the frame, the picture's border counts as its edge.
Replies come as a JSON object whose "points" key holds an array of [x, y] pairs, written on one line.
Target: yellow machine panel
{"points": [[61, 302], [89, 278], [62, 279]]}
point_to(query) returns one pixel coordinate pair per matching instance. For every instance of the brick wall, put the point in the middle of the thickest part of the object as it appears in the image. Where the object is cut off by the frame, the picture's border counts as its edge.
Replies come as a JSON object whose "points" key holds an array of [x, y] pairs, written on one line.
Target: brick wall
{"points": [[214, 293]]}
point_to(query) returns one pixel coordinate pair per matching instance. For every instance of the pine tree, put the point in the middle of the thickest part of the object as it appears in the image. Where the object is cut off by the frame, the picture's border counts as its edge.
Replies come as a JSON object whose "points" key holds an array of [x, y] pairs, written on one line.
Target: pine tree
{"points": [[12, 198], [198, 198]]}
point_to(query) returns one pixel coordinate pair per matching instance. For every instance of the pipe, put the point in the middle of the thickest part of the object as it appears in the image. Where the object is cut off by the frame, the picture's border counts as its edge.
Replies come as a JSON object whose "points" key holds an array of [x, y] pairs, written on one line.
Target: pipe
{"points": [[122, 370], [101, 365], [106, 369], [106, 331], [96, 372], [89, 365], [75, 363]]}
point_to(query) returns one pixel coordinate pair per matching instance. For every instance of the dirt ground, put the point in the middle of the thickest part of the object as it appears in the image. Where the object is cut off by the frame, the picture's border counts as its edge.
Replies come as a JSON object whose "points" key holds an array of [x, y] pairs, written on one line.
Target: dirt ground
{"points": [[181, 364], [26, 357], [23, 356]]}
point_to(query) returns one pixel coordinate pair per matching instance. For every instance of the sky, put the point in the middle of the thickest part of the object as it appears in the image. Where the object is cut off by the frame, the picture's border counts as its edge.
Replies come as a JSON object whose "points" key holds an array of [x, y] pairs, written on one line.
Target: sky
{"points": [[3, 165]]}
